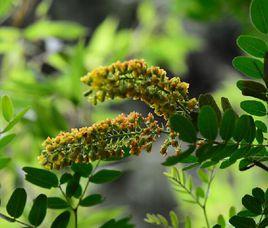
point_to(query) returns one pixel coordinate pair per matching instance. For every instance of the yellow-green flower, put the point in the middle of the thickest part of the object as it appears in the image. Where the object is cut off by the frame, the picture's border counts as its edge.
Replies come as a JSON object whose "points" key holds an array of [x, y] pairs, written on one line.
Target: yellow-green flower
{"points": [[135, 80], [108, 139]]}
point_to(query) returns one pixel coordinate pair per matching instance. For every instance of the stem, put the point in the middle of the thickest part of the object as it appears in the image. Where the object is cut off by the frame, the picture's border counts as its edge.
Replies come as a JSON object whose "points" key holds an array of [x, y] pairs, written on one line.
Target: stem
{"points": [[88, 180], [75, 217], [204, 206], [206, 216], [261, 165], [75, 209], [9, 219]]}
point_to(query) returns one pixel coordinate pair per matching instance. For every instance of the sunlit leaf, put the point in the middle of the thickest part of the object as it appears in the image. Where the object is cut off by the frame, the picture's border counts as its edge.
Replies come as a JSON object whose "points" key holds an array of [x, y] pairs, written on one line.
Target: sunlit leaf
{"points": [[252, 45], [7, 108], [6, 140], [259, 15], [252, 107], [251, 67], [4, 161], [15, 120]]}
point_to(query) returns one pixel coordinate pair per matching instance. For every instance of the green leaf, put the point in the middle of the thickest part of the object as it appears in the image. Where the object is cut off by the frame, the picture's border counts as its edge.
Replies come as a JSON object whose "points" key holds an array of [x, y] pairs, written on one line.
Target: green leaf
{"points": [[252, 45], [265, 76], [38, 210], [252, 107], [199, 192], [259, 136], [65, 178], [264, 223], [203, 175], [246, 213], [245, 164], [208, 164], [205, 152], [62, 220], [172, 160], [207, 123], [259, 15], [260, 125], [250, 131], [91, 200], [251, 67], [207, 99], [56, 203], [6, 140], [174, 219], [188, 223], [225, 164], [7, 108], [4, 162], [223, 151], [73, 188], [239, 153], [16, 203], [83, 169], [221, 221], [41, 177], [244, 129], [122, 223], [15, 120], [241, 222], [227, 124], [252, 89], [184, 127], [225, 104], [252, 204], [259, 194], [191, 166], [43, 29], [217, 226], [105, 175], [232, 211]]}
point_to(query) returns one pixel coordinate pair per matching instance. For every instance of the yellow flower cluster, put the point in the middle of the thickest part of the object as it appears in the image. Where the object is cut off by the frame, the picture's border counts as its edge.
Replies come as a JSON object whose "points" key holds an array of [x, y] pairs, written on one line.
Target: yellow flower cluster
{"points": [[108, 139], [134, 79]]}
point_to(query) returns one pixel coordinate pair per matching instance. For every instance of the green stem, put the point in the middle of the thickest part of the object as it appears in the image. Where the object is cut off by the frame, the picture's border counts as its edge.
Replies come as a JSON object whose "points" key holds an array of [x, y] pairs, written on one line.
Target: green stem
{"points": [[87, 184], [75, 209], [9, 219], [75, 217], [205, 215], [204, 206]]}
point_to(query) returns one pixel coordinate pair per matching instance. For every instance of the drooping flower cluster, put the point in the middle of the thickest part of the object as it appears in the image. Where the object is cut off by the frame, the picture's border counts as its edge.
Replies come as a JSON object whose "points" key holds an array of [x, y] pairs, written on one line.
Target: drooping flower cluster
{"points": [[134, 79], [105, 140]]}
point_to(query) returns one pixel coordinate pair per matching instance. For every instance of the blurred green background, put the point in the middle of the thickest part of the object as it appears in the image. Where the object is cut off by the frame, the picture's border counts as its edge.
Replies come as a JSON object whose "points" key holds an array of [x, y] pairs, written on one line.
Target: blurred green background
{"points": [[47, 45]]}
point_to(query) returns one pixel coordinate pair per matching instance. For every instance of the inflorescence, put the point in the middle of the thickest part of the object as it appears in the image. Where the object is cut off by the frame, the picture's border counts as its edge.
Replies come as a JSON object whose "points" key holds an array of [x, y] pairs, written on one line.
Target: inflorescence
{"points": [[135, 80], [105, 140], [124, 135]]}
